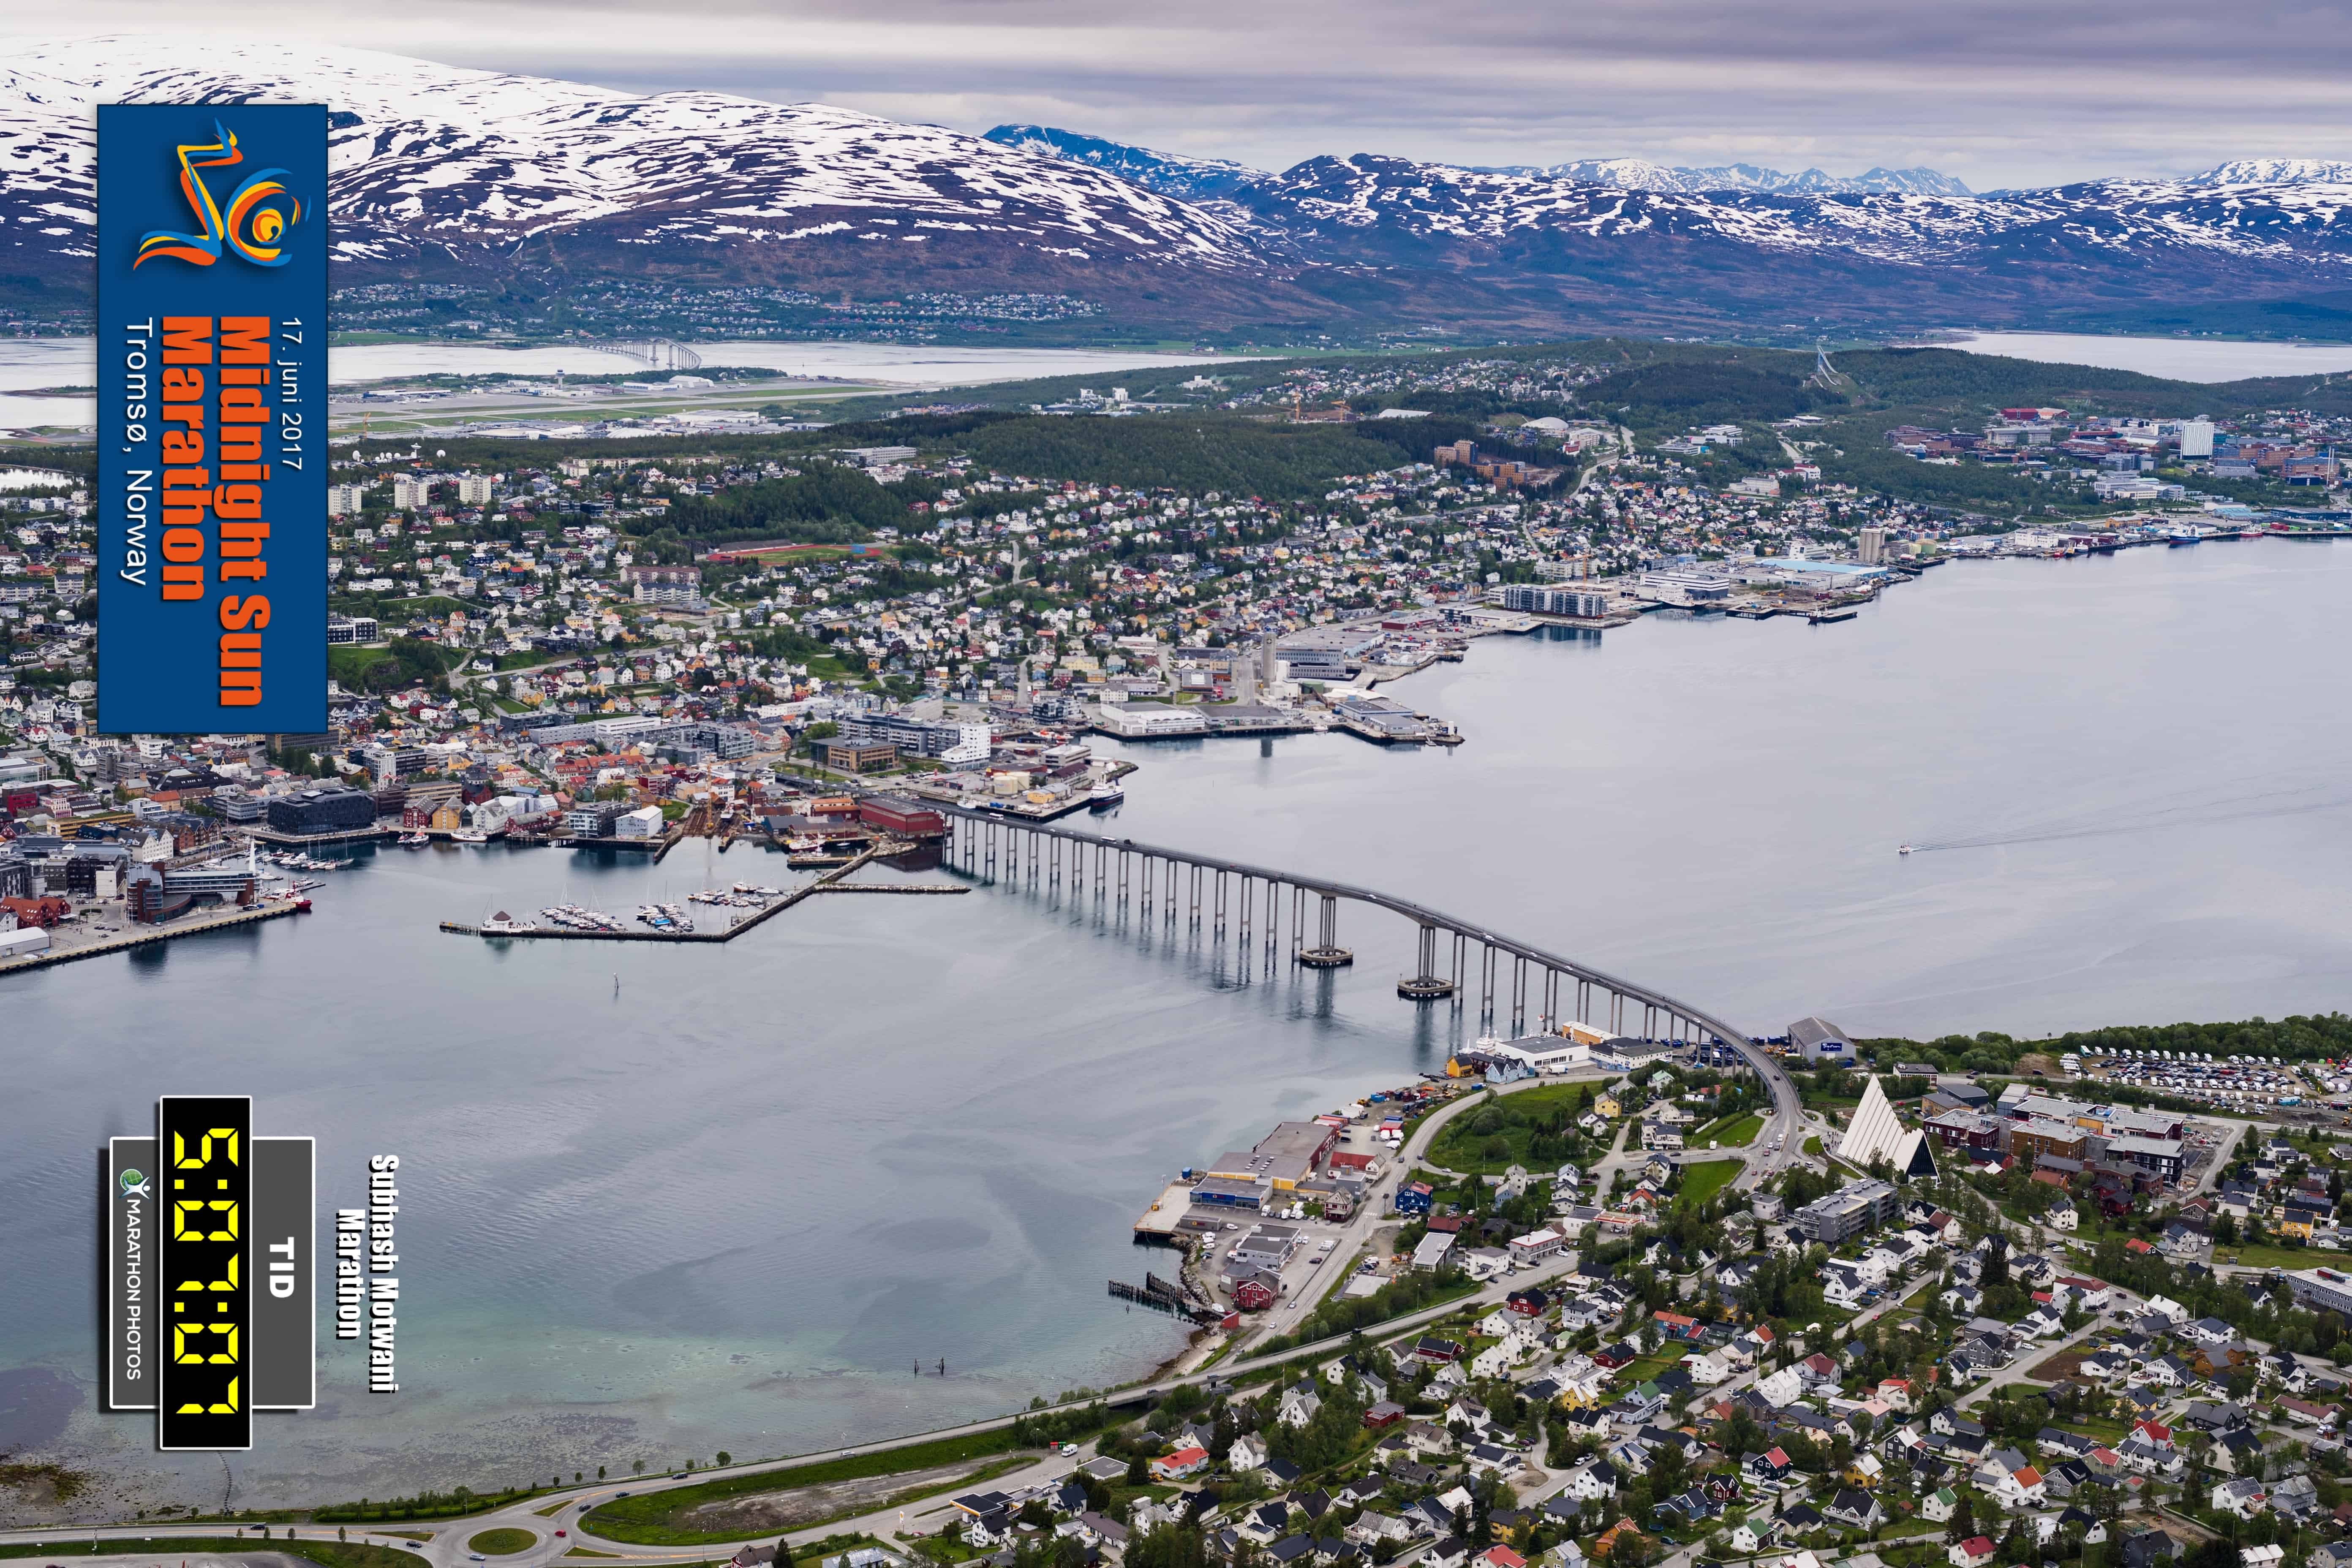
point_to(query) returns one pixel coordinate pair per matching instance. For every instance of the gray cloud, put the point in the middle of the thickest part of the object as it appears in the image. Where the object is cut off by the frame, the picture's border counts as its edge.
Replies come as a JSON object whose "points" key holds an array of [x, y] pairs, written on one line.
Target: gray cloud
{"points": [[1999, 93]]}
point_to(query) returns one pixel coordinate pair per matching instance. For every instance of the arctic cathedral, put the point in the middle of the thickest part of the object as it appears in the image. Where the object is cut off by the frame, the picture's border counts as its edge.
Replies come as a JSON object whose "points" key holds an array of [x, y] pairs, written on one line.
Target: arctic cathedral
{"points": [[1875, 1132]]}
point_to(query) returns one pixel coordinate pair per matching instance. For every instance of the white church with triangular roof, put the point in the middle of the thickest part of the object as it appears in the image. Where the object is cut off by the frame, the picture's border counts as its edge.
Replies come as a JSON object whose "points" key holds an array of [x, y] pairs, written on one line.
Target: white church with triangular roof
{"points": [[1875, 1133]]}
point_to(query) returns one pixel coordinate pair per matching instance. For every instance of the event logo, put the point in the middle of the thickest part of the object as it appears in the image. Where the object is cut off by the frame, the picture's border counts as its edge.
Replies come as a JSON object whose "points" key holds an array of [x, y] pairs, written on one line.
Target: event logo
{"points": [[259, 213], [133, 1183]]}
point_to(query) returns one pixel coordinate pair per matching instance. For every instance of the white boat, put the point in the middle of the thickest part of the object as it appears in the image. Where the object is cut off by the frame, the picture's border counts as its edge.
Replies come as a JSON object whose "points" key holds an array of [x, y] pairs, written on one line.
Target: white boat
{"points": [[1902, 848], [1104, 796], [469, 836]]}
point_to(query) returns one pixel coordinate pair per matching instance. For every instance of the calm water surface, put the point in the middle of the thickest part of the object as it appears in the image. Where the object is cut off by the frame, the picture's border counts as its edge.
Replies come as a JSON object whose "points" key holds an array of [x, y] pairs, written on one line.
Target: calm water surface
{"points": [[31, 369], [2180, 358], [731, 1205]]}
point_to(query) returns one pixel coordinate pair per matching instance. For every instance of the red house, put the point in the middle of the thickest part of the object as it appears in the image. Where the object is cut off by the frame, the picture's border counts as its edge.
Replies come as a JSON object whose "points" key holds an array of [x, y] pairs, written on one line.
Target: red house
{"points": [[1254, 1294]]}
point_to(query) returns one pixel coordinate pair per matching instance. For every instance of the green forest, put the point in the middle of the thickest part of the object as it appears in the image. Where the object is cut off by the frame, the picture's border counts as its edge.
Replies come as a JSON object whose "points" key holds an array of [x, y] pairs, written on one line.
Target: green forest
{"points": [[2316, 1038], [1724, 391], [829, 504], [1234, 455]]}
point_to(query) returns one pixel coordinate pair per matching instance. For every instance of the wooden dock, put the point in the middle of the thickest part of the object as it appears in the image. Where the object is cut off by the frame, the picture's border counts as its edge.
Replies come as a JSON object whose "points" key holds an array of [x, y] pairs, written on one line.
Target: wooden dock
{"points": [[831, 882], [146, 936]]}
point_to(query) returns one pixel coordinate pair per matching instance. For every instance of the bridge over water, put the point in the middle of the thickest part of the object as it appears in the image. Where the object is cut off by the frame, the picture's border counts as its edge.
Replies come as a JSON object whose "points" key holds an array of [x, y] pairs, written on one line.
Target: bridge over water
{"points": [[1271, 907], [660, 353]]}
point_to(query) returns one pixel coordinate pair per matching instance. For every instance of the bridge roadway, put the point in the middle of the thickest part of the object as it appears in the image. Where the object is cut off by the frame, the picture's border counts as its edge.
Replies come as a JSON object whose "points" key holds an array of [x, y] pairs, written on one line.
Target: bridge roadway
{"points": [[1123, 868]]}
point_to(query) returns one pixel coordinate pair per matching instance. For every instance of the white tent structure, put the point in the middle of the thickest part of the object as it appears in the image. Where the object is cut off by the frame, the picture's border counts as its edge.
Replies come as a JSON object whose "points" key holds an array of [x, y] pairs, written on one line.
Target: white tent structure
{"points": [[1875, 1133]]}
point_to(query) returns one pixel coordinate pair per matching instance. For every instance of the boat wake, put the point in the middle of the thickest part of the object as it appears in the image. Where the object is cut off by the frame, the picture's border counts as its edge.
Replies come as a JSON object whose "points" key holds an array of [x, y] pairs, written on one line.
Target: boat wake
{"points": [[2152, 816]]}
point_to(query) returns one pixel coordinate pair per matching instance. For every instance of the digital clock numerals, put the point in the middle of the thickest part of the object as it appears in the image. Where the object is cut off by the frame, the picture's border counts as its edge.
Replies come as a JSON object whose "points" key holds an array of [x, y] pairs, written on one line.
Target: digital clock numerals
{"points": [[203, 1403]]}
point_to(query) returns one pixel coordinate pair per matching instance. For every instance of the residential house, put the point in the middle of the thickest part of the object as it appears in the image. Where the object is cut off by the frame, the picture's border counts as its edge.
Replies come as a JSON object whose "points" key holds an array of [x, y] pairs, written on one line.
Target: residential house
{"points": [[1854, 1509], [2295, 1498], [1299, 1404], [1597, 1479], [1183, 1462], [2242, 1496]]}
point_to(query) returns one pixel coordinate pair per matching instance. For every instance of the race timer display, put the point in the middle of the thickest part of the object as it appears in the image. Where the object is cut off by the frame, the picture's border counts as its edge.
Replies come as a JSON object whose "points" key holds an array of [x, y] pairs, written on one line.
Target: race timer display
{"points": [[211, 1299], [204, 1271]]}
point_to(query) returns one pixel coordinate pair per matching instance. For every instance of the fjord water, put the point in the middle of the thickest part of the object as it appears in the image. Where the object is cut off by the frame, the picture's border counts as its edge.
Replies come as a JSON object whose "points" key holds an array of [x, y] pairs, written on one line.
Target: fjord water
{"points": [[729, 1205], [2176, 359]]}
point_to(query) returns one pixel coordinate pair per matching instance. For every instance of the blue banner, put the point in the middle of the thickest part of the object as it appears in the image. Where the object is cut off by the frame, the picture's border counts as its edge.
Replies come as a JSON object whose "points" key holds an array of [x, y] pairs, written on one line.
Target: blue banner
{"points": [[212, 418]]}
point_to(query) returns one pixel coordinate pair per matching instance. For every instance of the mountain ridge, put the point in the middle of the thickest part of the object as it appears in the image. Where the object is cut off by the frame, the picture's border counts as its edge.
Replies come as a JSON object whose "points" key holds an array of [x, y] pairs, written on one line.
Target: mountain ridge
{"points": [[537, 185]]}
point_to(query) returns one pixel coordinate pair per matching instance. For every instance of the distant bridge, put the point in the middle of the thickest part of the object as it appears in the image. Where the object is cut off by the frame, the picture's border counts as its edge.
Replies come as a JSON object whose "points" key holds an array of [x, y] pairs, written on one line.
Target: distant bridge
{"points": [[656, 353], [1250, 900]]}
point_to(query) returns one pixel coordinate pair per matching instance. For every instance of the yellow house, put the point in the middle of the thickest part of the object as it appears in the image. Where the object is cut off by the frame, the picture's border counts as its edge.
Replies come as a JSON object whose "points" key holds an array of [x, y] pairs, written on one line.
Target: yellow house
{"points": [[447, 818], [1607, 1106], [1587, 1393]]}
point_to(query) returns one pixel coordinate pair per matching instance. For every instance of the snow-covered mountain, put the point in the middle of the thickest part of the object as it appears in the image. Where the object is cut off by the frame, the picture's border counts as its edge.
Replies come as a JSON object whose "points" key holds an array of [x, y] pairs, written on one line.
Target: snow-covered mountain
{"points": [[1170, 173], [431, 163], [1639, 174], [2229, 210], [441, 173]]}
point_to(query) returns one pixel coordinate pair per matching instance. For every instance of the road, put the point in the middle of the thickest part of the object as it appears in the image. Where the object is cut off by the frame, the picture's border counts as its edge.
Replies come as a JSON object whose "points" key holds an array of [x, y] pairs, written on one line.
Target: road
{"points": [[2016, 1371], [1781, 1141], [1285, 1315]]}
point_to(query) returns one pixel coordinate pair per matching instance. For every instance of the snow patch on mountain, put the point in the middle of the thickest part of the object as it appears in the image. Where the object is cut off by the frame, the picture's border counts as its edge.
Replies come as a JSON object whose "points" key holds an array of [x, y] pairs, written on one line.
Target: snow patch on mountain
{"points": [[1639, 175], [1170, 173], [423, 156]]}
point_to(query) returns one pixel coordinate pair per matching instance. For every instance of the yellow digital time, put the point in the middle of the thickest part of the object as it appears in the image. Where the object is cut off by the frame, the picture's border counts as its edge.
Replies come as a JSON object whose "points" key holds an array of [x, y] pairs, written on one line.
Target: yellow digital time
{"points": [[205, 1273]]}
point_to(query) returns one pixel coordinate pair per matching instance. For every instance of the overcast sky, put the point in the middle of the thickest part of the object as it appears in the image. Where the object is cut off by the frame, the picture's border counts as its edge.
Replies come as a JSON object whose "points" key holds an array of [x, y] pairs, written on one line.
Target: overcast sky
{"points": [[1997, 93]]}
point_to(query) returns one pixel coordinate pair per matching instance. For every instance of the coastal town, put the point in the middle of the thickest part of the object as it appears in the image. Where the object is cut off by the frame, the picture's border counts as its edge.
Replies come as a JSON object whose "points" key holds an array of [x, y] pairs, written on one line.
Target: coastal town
{"points": [[514, 646], [1573, 1314], [1972, 1327]]}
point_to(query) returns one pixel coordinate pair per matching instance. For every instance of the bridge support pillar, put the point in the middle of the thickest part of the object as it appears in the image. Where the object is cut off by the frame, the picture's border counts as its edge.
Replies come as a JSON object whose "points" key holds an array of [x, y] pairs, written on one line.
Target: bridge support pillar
{"points": [[1327, 953], [1519, 996], [1426, 983]]}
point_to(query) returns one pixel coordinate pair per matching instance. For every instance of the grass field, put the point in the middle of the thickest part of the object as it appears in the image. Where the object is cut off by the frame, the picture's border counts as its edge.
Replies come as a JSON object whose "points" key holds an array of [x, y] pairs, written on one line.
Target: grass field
{"points": [[1814, 1147], [1457, 1148], [2259, 1257], [1643, 1368], [1702, 1182], [652, 1520], [1736, 1134], [2111, 1432], [501, 1542]]}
